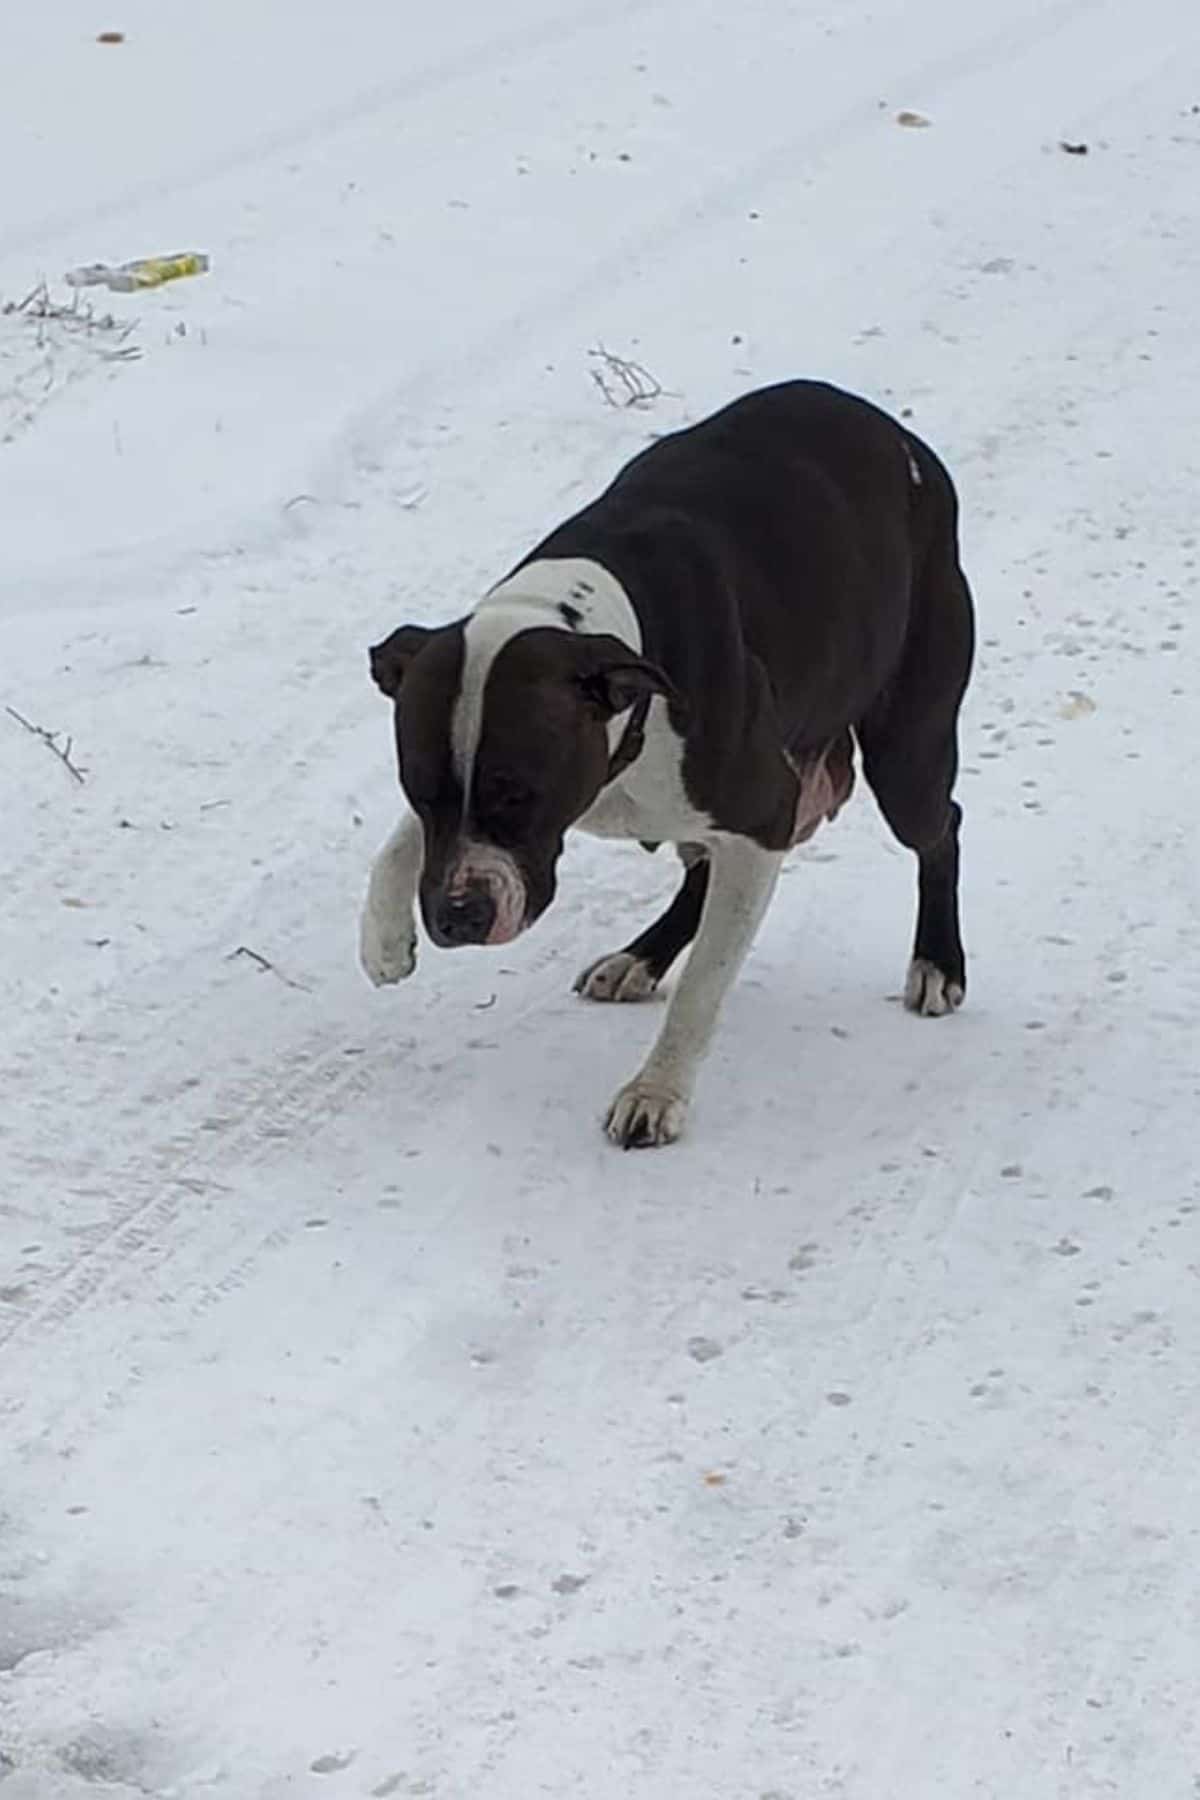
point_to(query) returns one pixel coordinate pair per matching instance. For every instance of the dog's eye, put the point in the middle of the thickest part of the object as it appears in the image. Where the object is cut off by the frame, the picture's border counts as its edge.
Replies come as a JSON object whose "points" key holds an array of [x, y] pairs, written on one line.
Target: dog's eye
{"points": [[508, 800], [505, 800]]}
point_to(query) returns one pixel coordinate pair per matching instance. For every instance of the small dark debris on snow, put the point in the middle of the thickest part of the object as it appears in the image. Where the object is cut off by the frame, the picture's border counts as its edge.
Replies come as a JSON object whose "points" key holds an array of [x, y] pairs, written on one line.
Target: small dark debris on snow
{"points": [[331, 1764], [838, 1399], [245, 950], [1012, 1171], [264, 965], [569, 1584], [1072, 149], [508, 1590], [50, 739], [702, 1349]]}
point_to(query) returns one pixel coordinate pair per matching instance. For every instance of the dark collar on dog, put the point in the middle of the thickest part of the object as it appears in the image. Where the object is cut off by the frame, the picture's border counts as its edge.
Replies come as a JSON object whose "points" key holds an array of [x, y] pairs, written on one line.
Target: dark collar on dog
{"points": [[632, 740]]}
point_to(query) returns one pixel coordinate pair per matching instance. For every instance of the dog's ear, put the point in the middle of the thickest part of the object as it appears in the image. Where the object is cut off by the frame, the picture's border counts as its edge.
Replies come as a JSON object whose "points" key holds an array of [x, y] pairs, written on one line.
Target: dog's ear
{"points": [[390, 659], [613, 679]]}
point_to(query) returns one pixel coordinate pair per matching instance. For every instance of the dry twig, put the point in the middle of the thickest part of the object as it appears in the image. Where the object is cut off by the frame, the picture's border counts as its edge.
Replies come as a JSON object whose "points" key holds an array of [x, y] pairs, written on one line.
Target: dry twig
{"points": [[78, 316], [622, 382], [267, 967], [50, 739]]}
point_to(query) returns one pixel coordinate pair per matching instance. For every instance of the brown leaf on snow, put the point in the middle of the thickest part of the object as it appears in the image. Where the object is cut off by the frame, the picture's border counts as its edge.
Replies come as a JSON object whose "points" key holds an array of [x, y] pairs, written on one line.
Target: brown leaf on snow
{"points": [[110, 37], [915, 119], [1077, 705]]}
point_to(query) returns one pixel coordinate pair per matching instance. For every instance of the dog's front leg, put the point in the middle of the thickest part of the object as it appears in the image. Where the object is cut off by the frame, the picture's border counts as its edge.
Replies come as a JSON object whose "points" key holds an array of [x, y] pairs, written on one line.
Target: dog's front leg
{"points": [[651, 1108], [387, 941]]}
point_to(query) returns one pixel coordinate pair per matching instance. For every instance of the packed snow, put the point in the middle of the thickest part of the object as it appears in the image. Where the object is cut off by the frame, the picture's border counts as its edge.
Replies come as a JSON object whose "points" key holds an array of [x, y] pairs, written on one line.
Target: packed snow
{"points": [[368, 1425]]}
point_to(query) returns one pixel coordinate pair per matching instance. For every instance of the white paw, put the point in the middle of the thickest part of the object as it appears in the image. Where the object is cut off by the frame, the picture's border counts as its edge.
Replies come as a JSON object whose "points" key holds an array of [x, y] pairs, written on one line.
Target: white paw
{"points": [[928, 992], [387, 949], [645, 1114], [616, 977]]}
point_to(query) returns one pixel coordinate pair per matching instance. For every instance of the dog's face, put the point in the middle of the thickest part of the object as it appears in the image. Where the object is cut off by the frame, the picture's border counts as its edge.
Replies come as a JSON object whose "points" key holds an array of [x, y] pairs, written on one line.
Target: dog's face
{"points": [[503, 742]]}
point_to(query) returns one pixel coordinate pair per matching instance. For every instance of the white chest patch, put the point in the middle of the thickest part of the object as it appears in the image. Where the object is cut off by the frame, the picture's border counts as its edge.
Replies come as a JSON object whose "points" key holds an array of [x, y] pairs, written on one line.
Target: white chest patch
{"points": [[648, 800]]}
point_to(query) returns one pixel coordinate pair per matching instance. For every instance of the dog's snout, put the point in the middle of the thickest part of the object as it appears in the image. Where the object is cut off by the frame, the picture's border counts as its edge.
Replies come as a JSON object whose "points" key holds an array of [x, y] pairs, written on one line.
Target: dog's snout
{"points": [[477, 897], [466, 915]]}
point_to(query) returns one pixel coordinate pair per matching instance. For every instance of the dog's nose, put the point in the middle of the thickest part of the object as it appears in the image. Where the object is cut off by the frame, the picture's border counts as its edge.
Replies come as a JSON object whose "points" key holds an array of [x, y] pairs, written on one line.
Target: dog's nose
{"points": [[467, 915]]}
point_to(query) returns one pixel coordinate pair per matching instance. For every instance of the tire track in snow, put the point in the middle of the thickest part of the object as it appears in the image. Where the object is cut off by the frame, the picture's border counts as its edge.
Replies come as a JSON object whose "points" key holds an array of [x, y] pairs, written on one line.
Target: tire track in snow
{"points": [[182, 1175], [153, 1215], [777, 164], [423, 83], [473, 363], [935, 1220]]}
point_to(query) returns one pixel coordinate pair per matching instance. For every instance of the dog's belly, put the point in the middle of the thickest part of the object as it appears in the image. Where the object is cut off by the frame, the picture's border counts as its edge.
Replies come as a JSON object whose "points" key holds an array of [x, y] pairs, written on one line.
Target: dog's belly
{"points": [[826, 783]]}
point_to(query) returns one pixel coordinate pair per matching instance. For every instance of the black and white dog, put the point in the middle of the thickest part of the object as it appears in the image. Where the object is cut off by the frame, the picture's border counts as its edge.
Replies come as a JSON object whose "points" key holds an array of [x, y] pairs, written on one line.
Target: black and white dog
{"points": [[691, 659]]}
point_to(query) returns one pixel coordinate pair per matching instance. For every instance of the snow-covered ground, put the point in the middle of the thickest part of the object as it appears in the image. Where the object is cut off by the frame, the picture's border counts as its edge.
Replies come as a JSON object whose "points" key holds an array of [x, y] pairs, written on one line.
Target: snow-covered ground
{"points": [[369, 1426]]}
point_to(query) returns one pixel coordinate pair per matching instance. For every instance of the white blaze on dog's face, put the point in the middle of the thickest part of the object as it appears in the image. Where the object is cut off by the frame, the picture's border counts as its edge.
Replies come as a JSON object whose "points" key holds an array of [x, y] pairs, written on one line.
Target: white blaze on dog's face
{"points": [[502, 732]]}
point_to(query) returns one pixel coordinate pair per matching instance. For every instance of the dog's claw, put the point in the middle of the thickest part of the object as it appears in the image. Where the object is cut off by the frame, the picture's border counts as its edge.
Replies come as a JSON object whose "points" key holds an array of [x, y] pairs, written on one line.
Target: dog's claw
{"points": [[645, 1115], [388, 954], [929, 991]]}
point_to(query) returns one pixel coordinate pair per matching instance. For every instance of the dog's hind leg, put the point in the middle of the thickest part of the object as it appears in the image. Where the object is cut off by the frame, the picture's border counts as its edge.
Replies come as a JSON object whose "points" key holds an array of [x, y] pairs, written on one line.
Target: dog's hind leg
{"points": [[909, 742], [635, 972]]}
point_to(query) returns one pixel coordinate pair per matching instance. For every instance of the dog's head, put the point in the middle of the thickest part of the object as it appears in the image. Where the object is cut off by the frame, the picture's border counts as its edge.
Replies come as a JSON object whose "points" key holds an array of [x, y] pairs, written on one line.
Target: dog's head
{"points": [[503, 737]]}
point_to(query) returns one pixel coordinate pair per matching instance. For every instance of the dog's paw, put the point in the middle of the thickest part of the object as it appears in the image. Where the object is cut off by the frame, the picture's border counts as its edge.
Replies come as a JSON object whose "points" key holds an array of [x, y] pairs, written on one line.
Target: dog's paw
{"points": [[929, 991], [619, 976], [645, 1114], [387, 949]]}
